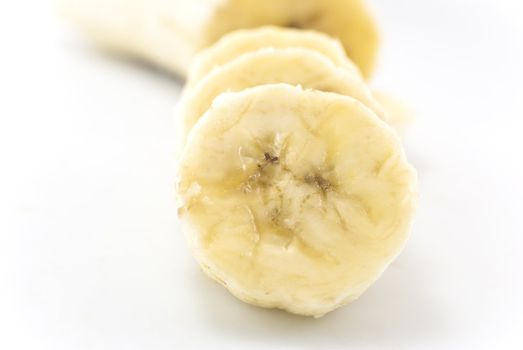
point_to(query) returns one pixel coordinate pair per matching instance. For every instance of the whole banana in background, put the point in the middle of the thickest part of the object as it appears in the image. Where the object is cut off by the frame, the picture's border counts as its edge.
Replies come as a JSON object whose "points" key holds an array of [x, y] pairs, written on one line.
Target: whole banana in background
{"points": [[169, 33]]}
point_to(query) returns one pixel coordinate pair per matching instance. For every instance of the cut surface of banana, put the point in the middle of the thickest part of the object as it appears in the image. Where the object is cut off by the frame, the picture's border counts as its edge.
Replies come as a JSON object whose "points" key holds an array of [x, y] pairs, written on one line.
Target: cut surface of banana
{"points": [[294, 199], [294, 66], [170, 32], [235, 44]]}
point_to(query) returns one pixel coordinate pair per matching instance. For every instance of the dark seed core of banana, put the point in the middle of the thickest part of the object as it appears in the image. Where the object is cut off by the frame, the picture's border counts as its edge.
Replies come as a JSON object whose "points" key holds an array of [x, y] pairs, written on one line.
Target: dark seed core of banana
{"points": [[306, 21], [270, 159], [266, 167], [318, 180]]}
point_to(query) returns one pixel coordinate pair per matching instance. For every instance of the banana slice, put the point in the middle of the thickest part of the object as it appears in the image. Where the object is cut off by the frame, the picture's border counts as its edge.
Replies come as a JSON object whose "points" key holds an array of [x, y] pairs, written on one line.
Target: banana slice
{"points": [[237, 43], [399, 114], [294, 66], [170, 32], [294, 199]]}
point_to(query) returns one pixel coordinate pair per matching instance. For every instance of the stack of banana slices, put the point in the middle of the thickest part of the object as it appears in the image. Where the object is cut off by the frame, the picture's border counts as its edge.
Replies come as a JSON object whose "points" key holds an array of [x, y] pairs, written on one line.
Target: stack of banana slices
{"points": [[294, 191]]}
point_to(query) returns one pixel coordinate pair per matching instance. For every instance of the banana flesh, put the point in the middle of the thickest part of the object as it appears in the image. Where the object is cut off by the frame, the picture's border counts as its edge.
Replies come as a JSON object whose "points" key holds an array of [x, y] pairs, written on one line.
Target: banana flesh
{"points": [[294, 199], [295, 66], [294, 193], [398, 113], [169, 33], [237, 43]]}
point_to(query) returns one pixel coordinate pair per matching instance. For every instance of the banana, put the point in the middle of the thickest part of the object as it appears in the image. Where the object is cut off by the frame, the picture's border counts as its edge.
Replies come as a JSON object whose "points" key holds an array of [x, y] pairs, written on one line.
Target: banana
{"points": [[295, 66], [235, 44], [294, 199], [169, 33], [399, 114]]}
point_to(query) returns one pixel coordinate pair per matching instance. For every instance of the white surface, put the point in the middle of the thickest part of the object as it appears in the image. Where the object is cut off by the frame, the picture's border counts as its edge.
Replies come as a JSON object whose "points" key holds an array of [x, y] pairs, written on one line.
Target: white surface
{"points": [[90, 253]]}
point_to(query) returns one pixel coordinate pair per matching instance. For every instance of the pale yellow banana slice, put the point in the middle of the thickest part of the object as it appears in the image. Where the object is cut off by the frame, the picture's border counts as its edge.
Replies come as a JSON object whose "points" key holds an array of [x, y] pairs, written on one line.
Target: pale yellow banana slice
{"points": [[399, 114], [237, 43], [294, 199], [170, 32], [294, 66]]}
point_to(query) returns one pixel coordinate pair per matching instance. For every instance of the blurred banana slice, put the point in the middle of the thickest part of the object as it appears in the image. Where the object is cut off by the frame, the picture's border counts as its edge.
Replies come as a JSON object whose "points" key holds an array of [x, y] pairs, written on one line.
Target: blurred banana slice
{"points": [[399, 114], [294, 66], [237, 43], [169, 33], [294, 199]]}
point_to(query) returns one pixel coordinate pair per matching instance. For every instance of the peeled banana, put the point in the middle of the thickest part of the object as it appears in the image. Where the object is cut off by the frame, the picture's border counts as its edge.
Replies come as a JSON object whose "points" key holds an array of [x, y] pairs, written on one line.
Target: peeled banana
{"points": [[294, 199], [294, 193], [295, 66], [170, 32]]}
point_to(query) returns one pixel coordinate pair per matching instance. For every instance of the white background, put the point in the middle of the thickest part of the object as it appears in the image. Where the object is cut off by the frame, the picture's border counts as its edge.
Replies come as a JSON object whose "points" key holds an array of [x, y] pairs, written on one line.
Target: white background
{"points": [[91, 256]]}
